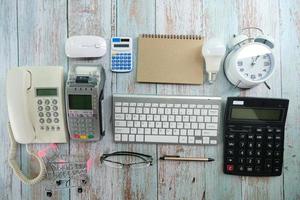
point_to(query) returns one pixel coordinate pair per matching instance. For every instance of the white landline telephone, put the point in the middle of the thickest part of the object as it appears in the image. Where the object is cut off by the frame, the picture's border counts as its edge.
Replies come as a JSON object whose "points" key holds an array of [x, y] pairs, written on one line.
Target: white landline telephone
{"points": [[35, 99]]}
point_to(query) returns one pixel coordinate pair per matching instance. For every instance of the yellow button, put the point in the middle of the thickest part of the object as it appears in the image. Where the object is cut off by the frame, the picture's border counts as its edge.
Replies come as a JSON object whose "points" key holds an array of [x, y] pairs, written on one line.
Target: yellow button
{"points": [[83, 137]]}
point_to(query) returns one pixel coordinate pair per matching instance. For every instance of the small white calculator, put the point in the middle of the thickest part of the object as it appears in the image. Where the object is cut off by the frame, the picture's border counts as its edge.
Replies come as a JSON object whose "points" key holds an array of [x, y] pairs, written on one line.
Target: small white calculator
{"points": [[121, 54]]}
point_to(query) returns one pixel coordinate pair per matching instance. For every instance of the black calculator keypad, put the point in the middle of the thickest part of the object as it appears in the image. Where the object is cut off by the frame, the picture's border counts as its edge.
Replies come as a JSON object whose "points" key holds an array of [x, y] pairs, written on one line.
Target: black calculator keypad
{"points": [[253, 150]]}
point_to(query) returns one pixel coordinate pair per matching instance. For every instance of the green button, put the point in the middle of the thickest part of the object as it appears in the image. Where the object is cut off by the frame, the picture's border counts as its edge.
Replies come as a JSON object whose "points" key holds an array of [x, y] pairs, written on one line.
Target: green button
{"points": [[91, 136]]}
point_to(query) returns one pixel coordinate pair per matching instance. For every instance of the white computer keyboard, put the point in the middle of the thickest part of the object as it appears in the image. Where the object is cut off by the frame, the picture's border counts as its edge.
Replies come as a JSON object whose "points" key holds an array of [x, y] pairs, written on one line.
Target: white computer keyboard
{"points": [[166, 119]]}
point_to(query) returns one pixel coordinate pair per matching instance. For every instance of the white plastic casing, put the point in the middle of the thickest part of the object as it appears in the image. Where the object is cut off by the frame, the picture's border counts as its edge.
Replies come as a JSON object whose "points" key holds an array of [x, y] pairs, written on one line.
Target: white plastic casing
{"points": [[85, 46]]}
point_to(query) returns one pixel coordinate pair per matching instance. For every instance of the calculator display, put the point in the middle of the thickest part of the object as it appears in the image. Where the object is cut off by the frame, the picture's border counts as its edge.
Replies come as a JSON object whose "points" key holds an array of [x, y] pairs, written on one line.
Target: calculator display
{"points": [[121, 45], [256, 114]]}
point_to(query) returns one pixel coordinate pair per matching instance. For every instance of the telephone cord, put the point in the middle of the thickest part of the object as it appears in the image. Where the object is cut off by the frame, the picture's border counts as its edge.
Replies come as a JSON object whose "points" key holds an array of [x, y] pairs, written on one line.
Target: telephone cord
{"points": [[14, 165]]}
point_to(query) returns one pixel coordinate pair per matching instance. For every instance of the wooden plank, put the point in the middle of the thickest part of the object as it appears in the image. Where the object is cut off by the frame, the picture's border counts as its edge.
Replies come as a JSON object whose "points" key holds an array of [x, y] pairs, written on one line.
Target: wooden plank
{"points": [[251, 13], [220, 20], [42, 31], [180, 180], [93, 18], [134, 18], [8, 58], [290, 60]]}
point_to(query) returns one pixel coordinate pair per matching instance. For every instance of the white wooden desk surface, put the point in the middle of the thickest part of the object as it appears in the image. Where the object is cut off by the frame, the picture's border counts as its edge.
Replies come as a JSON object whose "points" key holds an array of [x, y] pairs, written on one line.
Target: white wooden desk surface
{"points": [[34, 32]]}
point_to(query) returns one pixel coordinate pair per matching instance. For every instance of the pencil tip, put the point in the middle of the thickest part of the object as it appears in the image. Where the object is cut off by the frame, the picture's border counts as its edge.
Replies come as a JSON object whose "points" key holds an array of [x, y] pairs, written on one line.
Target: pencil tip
{"points": [[211, 159]]}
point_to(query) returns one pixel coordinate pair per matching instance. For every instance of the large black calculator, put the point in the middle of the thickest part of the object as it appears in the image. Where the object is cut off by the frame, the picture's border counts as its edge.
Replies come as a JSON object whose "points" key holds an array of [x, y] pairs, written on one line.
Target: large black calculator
{"points": [[254, 136]]}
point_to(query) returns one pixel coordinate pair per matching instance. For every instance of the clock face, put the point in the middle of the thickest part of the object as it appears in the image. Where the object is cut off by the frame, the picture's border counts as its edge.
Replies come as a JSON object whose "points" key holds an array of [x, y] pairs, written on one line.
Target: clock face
{"points": [[255, 62]]}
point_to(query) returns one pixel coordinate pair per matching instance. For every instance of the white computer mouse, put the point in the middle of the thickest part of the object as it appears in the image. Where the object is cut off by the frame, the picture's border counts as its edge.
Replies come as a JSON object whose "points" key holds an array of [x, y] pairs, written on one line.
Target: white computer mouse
{"points": [[85, 46]]}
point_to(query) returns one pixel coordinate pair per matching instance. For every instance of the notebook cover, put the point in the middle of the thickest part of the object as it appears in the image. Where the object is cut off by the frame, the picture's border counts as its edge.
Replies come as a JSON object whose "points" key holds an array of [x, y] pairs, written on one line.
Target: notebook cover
{"points": [[170, 59]]}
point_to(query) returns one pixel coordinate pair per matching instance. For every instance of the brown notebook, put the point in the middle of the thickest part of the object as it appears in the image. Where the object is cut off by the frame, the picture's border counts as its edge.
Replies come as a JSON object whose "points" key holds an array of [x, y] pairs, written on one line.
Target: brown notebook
{"points": [[170, 59]]}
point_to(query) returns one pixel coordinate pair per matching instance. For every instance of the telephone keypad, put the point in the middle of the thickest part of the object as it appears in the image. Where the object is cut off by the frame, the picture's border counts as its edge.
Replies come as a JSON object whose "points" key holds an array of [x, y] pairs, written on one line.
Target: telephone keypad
{"points": [[47, 114]]}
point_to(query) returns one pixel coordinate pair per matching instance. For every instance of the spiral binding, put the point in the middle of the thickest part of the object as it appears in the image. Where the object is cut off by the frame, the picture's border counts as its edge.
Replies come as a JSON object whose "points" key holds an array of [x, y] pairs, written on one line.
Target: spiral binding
{"points": [[163, 36]]}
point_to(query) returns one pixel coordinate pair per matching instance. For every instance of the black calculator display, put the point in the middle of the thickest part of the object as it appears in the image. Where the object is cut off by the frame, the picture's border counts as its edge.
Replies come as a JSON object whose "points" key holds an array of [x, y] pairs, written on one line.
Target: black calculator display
{"points": [[254, 136]]}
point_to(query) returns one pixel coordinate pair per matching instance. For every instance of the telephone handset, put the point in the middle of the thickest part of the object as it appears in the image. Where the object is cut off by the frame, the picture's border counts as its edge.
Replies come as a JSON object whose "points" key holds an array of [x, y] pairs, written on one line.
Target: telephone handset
{"points": [[35, 99]]}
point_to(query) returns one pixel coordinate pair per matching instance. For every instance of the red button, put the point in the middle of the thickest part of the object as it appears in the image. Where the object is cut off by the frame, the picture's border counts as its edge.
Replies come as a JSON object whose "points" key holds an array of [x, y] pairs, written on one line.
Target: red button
{"points": [[229, 168], [76, 136]]}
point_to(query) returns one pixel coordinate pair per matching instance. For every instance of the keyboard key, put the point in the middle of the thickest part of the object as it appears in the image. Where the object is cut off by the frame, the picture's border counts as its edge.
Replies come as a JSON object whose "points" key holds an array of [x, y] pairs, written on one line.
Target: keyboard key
{"points": [[191, 140], [131, 138], [139, 138], [205, 140], [161, 139], [211, 126], [182, 139], [209, 132], [119, 116], [213, 112], [120, 123], [117, 137], [124, 138], [213, 141], [118, 109], [122, 130]]}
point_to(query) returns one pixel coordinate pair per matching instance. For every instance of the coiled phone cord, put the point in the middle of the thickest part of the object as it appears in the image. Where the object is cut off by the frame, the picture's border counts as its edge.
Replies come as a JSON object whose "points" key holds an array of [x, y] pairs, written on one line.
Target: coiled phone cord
{"points": [[14, 165]]}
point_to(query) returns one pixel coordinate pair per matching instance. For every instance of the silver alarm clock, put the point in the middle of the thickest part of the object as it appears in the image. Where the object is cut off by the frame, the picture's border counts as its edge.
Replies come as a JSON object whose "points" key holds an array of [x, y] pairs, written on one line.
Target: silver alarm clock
{"points": [[250, 60]]}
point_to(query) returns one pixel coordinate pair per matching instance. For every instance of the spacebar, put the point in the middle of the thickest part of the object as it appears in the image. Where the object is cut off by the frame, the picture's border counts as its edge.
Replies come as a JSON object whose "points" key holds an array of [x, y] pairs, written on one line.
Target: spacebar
{"points": [[161, 139]]}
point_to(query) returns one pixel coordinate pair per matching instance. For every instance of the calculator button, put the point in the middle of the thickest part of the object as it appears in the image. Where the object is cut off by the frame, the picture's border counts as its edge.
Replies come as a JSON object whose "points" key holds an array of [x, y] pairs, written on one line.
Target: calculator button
{"points": [[47, 102], [241, 160], [268, 165], [259, 136], [269, 153], [48, 114], [230, 143], [229, 160], [39, 102], [277, 153], [250, 144], [41, 114], [55, 114], [242, 144], [258, 169], [241, 168], [257, 161], [277, 137], [230, 136], [54, 101], [269, 145], [269, 130], [259, 130], [277, 162], [258, 145], [42, 120], [230, 168], [230, 152], [278, 130], [270, 136], [47, 108], [40, 108], [250, 136], [250, 152], [258, 153], [49, 120], [242, 136], [249, 169], [276, 169], [249, 161], [277, 145], [242, 152]]}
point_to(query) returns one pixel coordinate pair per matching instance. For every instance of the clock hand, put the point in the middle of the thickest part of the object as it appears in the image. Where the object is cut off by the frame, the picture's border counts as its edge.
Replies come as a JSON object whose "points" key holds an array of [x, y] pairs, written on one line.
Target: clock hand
{"points": [[254, 60]]}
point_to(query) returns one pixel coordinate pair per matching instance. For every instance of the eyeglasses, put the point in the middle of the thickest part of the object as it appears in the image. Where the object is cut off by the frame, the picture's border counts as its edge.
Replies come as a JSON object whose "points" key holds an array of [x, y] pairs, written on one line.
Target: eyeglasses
{"points": [[126, 159]]}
